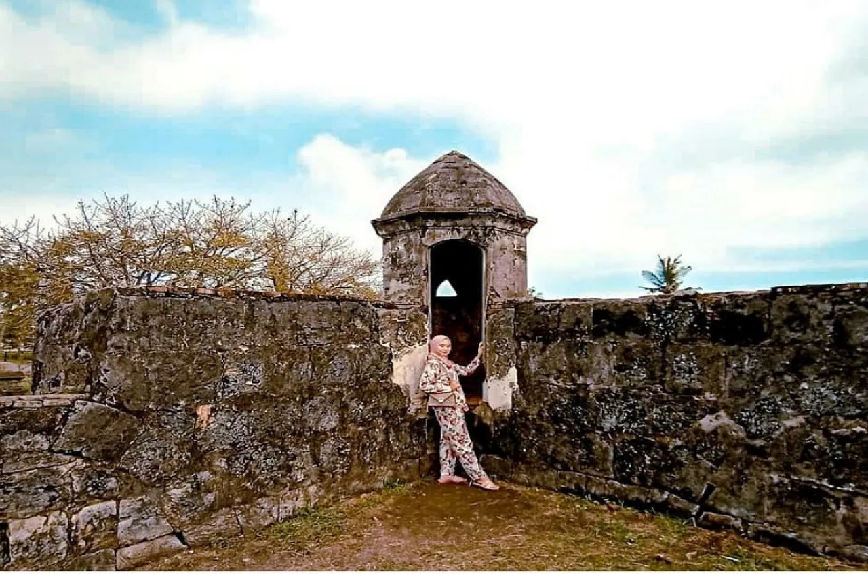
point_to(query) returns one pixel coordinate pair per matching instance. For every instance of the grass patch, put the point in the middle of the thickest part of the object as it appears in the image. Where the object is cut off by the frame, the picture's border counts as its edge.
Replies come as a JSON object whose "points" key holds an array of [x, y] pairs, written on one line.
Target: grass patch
{"points": [[426, 526], [310, 524], [396, 486]]}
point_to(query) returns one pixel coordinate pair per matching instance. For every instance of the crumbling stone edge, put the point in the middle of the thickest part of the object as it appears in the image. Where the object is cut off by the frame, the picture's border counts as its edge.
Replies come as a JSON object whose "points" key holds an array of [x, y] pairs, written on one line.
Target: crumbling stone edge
{"points": [[601, 489], [124, 533]]}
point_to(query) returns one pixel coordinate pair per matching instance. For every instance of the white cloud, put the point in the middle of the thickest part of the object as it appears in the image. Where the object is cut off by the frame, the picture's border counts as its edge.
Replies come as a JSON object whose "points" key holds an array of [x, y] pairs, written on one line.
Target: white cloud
{"points": [[168, 11], [580, 97], [346, 187]]}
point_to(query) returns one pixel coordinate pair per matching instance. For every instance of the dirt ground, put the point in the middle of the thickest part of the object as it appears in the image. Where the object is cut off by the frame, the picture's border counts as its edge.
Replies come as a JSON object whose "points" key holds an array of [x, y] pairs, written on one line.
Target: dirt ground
{"points": [[427, 526]]}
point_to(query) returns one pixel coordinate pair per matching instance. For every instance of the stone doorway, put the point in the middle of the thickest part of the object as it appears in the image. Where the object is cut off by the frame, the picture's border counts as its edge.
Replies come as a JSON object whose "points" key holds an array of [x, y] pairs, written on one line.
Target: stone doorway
{"points": [[456, 297]]}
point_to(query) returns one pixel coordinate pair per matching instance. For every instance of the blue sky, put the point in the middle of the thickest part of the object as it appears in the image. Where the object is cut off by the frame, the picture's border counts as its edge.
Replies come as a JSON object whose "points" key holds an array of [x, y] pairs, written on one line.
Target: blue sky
{"points": [[627, 131]]}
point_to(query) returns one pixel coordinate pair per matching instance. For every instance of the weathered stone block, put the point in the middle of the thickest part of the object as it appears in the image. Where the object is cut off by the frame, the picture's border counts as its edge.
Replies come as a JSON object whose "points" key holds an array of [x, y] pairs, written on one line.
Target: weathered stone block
{"points": [[626, 493], [144, 552], [221, 524], [802, 318], [290, 501], [288, 372], [537, 321], [91, 482], [34, 491], [804, 505], [98, 432], [72, 338], [850, 325], [259, 514], [104, 560], [535, 476], [693, 369], [612, 318], [401, 329], [832, 392], [496, 466], [854, 517], [617, 410], [576, 320], [204, 373], [193, 499], [256, 450], [95, 528], [123, 376], [500, 342], [140, 519], [324, 411], [632, 460], [837, 453], [564, 362], [717, 440], [242, 374], [739, 319], [854, 552], [681, 507], [43, 421], [22, 441], [765, 417], [632, 363], [578, 453], [740, 494], [24, 450], [679, 318], [719, 521], [748, 371], [163, 449], [572, 482], [38, 541], [802, 541]]}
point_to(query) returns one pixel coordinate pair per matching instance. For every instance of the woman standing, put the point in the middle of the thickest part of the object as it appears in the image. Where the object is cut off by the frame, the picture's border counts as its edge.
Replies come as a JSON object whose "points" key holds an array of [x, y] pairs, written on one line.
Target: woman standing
{"points": [[440, 380]]}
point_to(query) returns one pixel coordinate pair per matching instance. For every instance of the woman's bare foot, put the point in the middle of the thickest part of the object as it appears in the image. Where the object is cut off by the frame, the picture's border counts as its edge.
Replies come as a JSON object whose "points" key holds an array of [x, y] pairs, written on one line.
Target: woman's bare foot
{"points": [[452, 479], [485, 484]]}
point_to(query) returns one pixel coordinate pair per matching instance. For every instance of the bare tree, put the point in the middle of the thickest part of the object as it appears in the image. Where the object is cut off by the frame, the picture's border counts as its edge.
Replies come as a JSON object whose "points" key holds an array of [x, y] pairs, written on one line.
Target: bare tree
{"points": [[19, 280], [217, 243], [302, 257]]}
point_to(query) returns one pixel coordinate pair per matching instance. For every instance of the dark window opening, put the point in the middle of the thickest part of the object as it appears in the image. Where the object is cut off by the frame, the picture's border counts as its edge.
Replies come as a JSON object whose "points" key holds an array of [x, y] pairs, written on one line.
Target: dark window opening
{"points": [[456, 305], [5, 554]]}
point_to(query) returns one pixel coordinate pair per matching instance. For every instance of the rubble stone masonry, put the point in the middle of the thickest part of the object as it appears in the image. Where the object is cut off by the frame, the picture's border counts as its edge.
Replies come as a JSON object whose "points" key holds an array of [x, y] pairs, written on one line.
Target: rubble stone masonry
{"points": [[167, 417], [746, 411], [164, 417]]}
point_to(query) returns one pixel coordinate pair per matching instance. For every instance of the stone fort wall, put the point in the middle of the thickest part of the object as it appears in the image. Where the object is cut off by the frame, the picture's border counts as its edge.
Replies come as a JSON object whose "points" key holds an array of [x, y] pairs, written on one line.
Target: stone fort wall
{"points": [[165, 417], [746, 411], [168, 417]]}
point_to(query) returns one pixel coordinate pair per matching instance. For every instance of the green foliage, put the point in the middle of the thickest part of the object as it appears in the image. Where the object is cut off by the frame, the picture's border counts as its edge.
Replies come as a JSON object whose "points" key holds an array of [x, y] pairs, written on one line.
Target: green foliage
{"points": [[533, 292], [668, 277]]}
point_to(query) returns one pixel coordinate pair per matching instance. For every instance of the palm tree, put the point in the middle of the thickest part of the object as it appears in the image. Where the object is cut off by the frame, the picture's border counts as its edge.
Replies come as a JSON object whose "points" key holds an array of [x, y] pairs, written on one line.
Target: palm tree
{"points": [[668, 277]]}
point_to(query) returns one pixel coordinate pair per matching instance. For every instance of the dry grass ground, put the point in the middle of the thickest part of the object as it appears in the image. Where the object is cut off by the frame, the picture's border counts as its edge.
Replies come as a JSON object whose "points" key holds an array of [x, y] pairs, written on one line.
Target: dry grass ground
{"points": [[426, 526]]}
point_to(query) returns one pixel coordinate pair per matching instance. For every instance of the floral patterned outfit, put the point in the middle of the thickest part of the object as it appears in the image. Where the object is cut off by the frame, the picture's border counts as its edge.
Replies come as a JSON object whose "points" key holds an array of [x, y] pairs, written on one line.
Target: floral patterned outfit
{"points": [[454, 439]]}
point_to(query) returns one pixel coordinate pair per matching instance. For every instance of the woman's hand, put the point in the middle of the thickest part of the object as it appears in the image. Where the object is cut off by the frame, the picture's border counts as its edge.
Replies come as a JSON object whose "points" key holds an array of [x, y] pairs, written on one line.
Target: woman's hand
{"points": [[481, 350]]}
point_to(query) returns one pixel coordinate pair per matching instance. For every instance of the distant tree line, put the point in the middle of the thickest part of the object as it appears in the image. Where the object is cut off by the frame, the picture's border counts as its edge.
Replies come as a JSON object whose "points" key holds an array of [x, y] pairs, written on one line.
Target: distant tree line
{"points": [[216, 243]]}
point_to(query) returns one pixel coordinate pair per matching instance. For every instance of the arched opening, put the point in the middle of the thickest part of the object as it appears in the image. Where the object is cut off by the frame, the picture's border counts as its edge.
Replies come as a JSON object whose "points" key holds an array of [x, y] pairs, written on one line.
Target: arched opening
{"points": [[456, 295]]}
